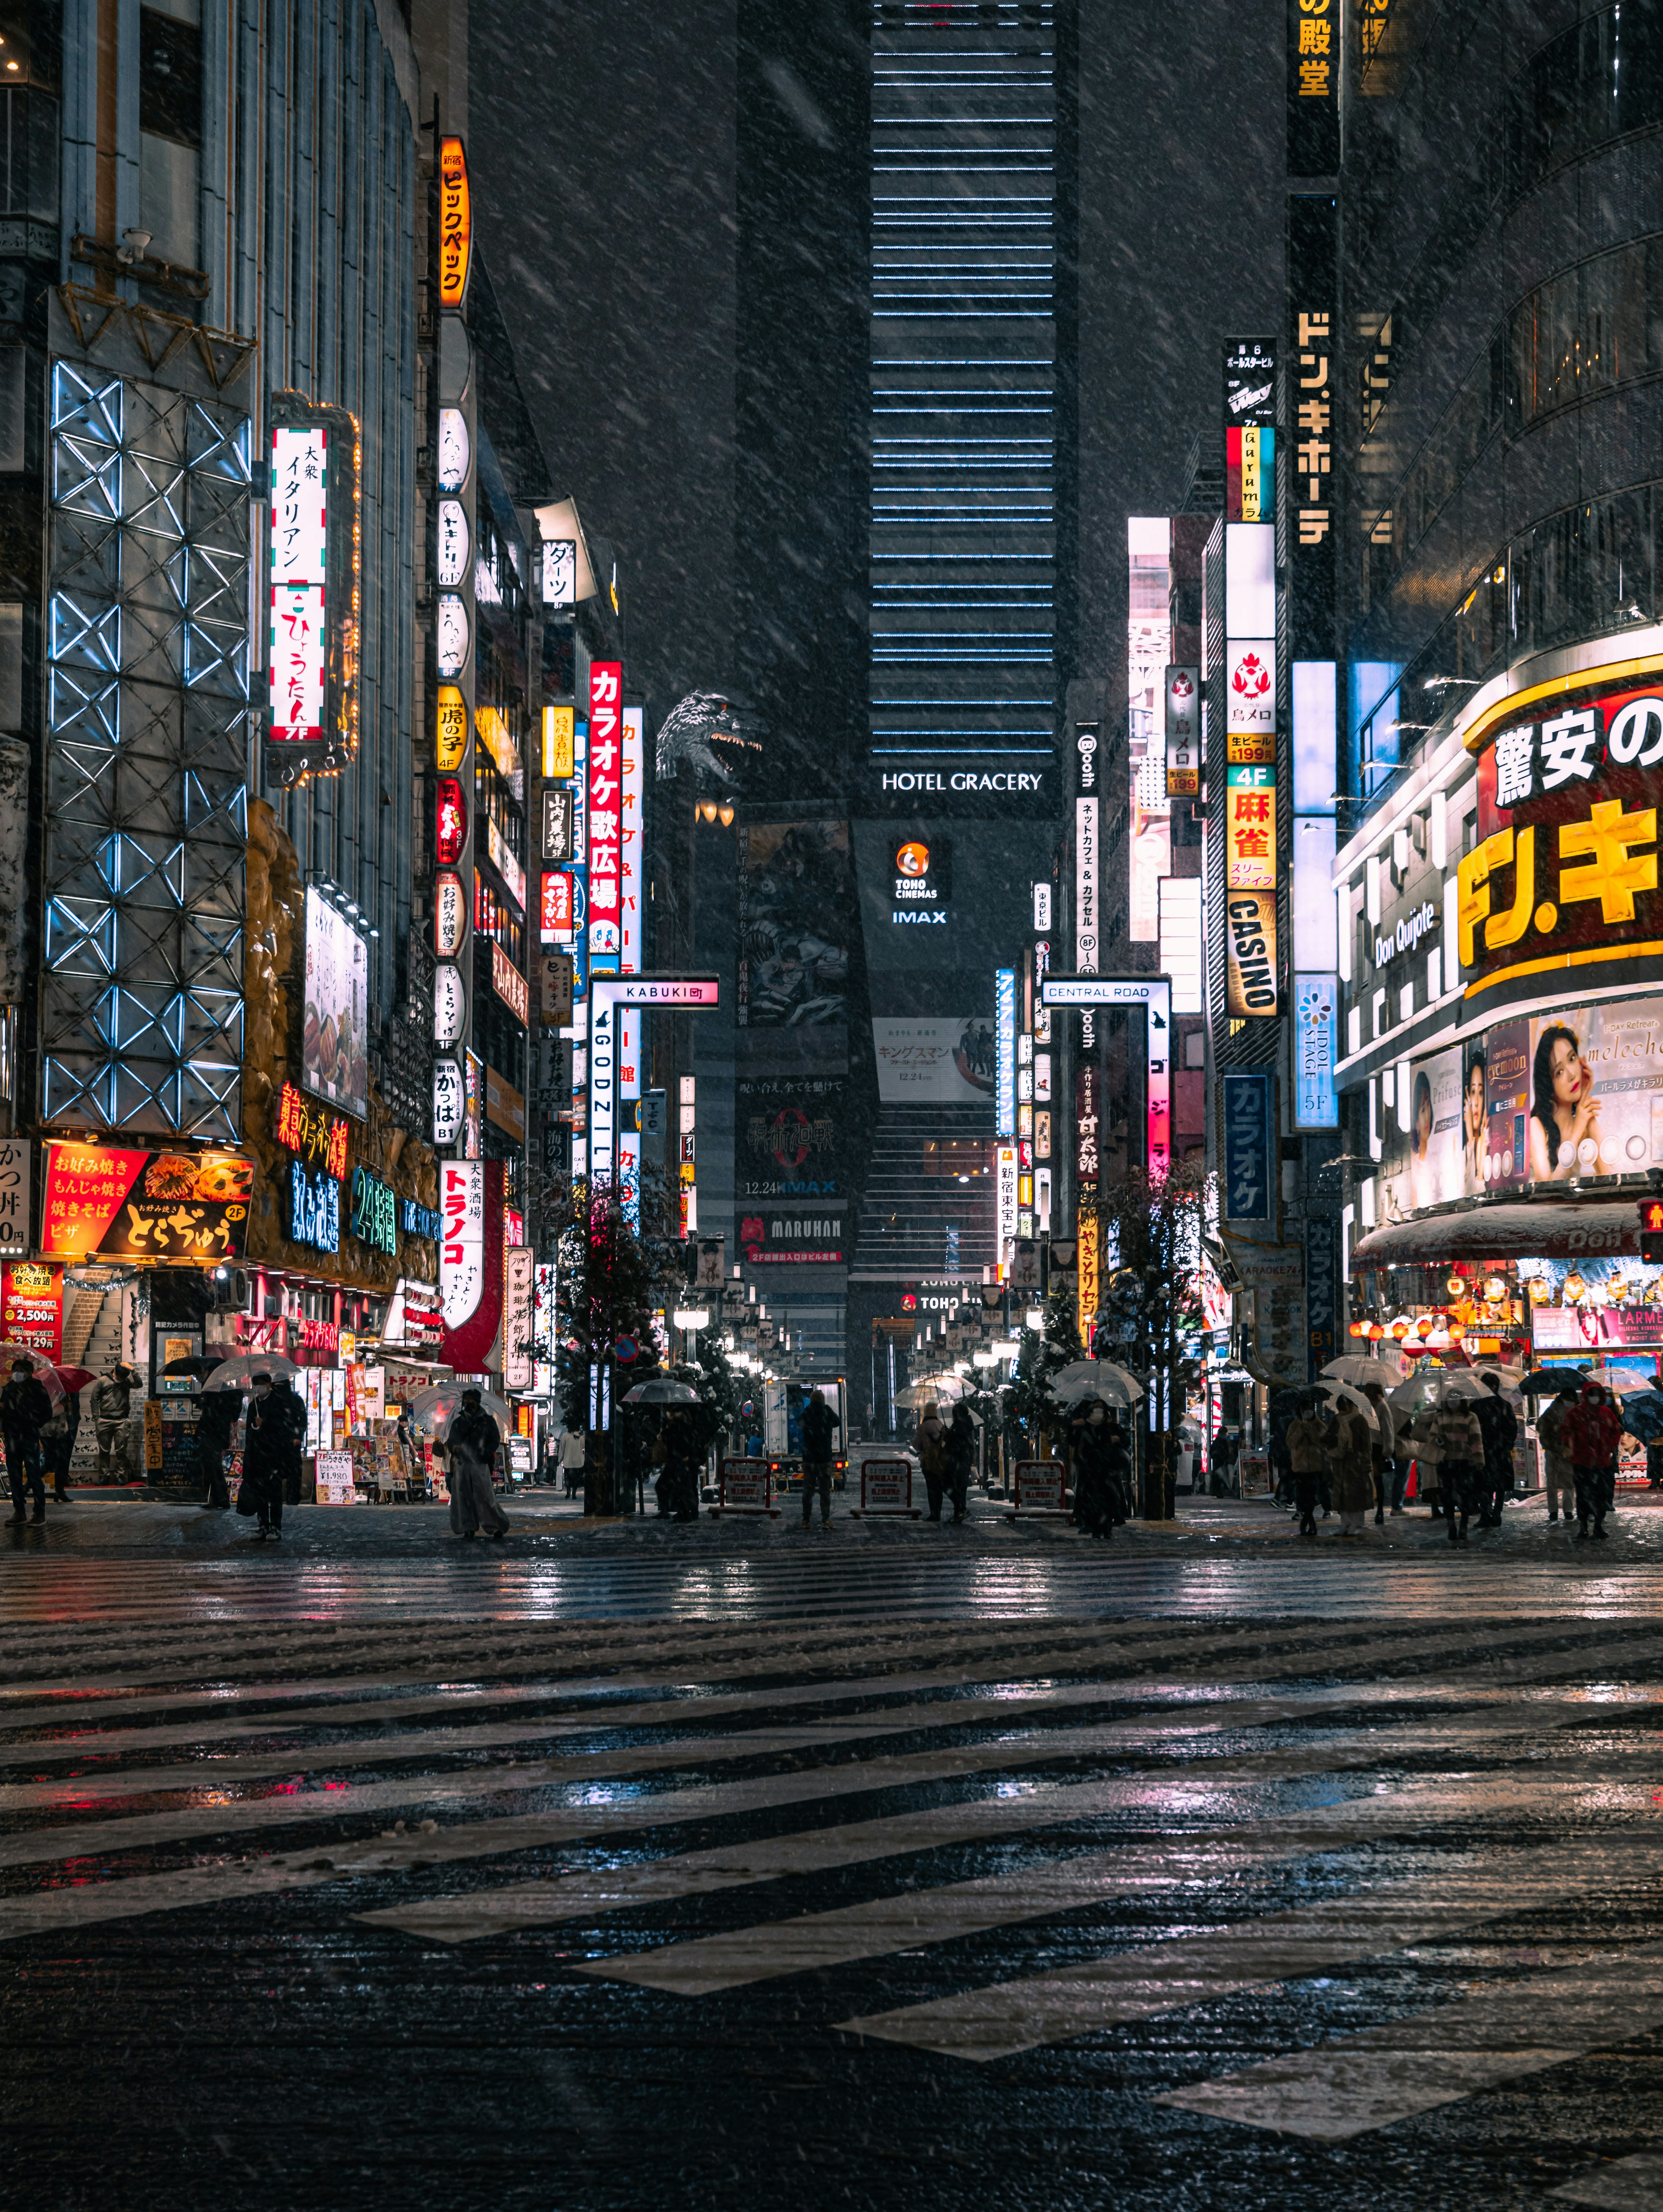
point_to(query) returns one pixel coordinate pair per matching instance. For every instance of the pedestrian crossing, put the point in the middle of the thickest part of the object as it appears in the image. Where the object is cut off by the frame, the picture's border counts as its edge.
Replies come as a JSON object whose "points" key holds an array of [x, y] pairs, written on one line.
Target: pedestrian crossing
{"points": [[1341, 1876], [1065, 1584]]}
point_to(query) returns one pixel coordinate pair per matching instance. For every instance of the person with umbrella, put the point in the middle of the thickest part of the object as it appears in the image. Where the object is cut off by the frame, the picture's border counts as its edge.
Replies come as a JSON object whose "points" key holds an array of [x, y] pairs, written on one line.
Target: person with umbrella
{"points": [[1348, 1451], [1552, 1433], [682, 1455], [216, 1418], [1094, 1488], [1460, 1446], [472, 1442], [1594, 1430], [25, 1409], [929, 1440], [1307, 1453], [1499, 1425], [1388, 1471], [264, 1456], [961, 1458]]}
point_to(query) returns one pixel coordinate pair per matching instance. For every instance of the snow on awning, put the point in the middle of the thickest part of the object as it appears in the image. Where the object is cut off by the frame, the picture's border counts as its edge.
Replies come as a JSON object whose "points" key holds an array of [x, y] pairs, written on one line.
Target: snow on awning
{"points": [[1579, 1229]]}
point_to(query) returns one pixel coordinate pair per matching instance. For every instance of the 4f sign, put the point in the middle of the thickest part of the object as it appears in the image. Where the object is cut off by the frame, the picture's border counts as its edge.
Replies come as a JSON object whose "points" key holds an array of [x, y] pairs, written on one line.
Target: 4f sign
{"points": [[455, 224]]}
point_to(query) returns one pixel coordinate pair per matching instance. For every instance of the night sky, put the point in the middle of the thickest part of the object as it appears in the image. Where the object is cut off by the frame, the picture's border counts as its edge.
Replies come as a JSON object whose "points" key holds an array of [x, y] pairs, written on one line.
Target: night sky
{"points": [[607, 141]]}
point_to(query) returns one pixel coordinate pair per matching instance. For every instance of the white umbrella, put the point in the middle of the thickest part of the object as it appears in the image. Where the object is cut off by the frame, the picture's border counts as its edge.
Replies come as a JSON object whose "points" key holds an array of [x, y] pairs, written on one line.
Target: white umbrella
{"points": [[937, 1387], [1096, 1378], [1469, 1382], [1357, 1368], [1328, 1388], [434, 1408], [240, 1370]]}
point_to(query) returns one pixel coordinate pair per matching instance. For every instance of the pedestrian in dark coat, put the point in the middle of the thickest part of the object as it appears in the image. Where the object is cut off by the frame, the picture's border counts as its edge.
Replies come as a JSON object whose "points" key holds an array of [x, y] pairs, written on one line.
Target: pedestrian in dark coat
{"points": [[58, 1445], [820, 1429], [215, 1418], [25, 1410], [684, 1454], [290, 1410], [930, 1440], [1499, 1425], [264, 1456], [1094, 1484], [472, 1442], [1117, 1459], [1594, 1431], [961, 1458]]}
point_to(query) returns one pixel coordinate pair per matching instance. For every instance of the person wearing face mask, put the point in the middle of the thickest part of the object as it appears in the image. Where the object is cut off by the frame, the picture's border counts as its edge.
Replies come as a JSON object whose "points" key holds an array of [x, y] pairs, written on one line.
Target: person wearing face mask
{"points": [[1594, 1431], [25, 1409]]}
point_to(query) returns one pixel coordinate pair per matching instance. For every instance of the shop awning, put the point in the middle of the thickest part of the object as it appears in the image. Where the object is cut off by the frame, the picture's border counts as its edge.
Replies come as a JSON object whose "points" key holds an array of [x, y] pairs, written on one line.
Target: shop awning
{"points": [[1540, 1229]]}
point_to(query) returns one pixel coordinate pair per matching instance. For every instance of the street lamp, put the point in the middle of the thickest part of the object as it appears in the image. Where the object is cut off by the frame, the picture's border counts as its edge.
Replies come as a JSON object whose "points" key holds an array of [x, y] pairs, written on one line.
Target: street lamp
{"points": [[692, 1317], [1035, 1317]]}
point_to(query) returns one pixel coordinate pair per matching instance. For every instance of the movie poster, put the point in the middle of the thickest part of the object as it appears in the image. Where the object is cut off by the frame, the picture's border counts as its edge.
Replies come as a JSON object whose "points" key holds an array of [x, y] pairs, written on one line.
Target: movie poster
{"points": [[796, 924]]}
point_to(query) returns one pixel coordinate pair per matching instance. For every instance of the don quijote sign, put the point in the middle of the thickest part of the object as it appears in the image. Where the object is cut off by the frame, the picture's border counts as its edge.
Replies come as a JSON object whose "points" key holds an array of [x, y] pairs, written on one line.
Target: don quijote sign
{"points": [[1418, 923]]}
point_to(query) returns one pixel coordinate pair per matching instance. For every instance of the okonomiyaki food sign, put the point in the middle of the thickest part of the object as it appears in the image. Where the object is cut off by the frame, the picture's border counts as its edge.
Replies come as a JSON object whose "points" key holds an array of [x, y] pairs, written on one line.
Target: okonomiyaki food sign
{"points": [[145, 1205]]}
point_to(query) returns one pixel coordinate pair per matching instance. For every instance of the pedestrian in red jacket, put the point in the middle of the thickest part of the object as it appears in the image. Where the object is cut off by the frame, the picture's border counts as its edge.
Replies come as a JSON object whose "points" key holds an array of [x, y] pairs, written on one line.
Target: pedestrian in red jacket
{"points": [[1593, 1432]]}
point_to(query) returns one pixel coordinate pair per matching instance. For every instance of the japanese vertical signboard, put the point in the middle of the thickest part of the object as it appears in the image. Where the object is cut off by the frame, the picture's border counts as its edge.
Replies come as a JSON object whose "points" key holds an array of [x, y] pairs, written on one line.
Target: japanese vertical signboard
{"points": [[299, 542], [1250, 414], [1250, 829], [15, 1191], [605, 813], [1322, 1292], [1315, 33], [1316, 1002], [1250, 944], [1004, 1001], [1086, 851], [455, 224], [1183, 696], [1249, 1146]]}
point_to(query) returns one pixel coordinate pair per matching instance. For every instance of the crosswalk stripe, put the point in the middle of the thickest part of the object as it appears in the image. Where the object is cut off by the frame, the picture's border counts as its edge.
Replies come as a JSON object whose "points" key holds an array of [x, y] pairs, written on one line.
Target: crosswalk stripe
{"points": [[95, 1787], [945, 1912], [1387, 2074], [1149, 1980], [1623, 2185]]}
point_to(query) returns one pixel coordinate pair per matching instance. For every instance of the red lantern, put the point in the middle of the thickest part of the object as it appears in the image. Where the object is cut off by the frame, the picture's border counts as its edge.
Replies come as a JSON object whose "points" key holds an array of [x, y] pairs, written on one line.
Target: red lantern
{"points": [[450, 824]]}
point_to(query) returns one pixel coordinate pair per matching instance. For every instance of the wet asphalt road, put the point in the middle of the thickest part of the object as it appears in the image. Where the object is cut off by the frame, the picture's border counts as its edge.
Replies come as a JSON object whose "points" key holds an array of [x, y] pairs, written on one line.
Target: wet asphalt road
{"points": [[898, 1866]]}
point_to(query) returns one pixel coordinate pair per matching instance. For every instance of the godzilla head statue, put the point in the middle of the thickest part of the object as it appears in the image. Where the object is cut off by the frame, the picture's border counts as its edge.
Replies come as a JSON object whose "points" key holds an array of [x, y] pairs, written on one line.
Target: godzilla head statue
{"points": [[711, 733]]}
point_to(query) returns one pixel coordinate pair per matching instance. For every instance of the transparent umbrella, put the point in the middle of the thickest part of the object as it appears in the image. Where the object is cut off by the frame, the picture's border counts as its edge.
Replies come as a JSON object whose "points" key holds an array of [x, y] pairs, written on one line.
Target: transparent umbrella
{"points": [[948, 1387], [1357, 1368], [1095, 1378], [240, 1370], [1327, 1387], [661, 1390], [436, 1407]]}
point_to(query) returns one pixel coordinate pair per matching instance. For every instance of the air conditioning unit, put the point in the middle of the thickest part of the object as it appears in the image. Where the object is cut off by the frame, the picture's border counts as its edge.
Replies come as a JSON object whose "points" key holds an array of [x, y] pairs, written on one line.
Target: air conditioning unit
{"points": [[230, 1291]]}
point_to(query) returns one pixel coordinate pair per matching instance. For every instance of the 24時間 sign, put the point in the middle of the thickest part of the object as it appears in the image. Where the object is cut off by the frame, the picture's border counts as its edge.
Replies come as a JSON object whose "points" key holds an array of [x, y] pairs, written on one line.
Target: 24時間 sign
{"points": [[606, 808]]}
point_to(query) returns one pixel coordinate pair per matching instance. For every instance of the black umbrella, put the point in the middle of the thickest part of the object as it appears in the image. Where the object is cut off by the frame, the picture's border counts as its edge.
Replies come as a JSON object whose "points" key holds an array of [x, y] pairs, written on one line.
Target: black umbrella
{"points": [[1542, 1379], [1641, 1413], [198, 1369]]}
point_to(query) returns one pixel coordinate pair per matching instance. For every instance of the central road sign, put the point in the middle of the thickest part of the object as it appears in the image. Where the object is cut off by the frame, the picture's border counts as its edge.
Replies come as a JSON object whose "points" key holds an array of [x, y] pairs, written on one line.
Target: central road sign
{"points": [[683, 993]]}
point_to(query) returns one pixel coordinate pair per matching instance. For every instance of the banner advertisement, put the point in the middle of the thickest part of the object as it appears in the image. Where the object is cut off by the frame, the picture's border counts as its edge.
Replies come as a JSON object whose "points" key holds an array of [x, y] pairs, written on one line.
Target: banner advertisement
{"points": [[1322, 1292], [1316, 1003], [792, 1233], [1567, 857], [32, 1306], [1421, 1164], [335, 1043], [789, 1137], [145, 1205], [1250, 936], [949, 1061], [16, 1219], [796, 923]]}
